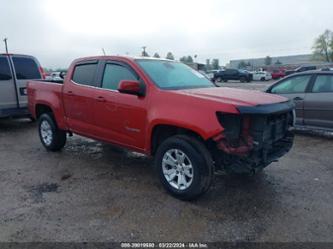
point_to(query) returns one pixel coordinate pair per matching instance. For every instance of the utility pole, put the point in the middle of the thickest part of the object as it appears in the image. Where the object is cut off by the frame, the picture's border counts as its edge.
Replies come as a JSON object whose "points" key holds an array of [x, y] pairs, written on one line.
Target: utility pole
{"points": [[5, 41], [103, 51]]}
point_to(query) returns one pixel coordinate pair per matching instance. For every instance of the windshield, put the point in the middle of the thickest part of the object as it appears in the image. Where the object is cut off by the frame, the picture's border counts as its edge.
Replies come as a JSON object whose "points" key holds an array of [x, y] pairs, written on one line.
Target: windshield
{"points": [[173, 75]]}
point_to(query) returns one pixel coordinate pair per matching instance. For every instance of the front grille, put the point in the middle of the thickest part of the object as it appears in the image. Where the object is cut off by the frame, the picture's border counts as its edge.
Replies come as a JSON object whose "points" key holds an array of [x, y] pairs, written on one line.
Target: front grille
{"points": [[267, 129]]}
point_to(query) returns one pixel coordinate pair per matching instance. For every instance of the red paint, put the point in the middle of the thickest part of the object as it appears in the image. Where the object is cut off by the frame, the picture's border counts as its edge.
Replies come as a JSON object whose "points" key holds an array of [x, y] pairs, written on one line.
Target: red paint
{"points": [[129, 120], [278, 74]]}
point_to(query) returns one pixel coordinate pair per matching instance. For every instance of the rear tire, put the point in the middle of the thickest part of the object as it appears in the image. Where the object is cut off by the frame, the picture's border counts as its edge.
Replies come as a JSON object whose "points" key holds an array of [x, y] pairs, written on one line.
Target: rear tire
{"points": [[184, 166], [52, 138], [242, 79], [219, 79]]}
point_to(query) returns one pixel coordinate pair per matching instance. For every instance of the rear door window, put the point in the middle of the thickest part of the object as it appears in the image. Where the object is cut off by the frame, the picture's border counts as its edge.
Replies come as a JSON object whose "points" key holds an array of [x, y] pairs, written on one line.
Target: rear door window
{"points": [[26, 68], [323, 84], [84, 74], [295, 84], [5, 73]]}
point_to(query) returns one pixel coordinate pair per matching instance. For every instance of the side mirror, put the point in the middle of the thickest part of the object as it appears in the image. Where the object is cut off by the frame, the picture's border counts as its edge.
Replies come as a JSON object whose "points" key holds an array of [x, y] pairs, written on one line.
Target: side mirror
{"points": [[132, 87]]}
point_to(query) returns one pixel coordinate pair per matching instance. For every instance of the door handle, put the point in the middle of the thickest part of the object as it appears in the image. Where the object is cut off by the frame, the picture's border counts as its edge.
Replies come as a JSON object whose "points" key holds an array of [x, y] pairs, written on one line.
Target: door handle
{"points": [[101, 99], [70, 93], [298, 98]]}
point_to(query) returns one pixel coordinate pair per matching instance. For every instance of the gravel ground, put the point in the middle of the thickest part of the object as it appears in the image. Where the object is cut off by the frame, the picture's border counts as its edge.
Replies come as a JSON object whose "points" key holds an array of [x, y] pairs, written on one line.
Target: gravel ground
{"points": [[92, 191]]}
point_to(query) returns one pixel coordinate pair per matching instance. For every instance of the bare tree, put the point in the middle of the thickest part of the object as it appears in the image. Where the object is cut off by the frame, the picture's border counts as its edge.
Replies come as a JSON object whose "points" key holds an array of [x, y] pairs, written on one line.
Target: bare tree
{"points": [[323, 47]]}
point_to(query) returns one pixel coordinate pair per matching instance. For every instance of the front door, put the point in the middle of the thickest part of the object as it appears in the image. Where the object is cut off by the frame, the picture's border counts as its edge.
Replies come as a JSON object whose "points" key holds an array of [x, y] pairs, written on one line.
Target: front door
{"points": [[294, 88], [318, 105], [120, 118]]}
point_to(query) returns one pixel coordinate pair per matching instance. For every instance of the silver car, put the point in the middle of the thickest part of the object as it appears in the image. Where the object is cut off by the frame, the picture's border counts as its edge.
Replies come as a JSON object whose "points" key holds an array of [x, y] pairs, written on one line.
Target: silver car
{"points": [[15, 71], [312, 92]]}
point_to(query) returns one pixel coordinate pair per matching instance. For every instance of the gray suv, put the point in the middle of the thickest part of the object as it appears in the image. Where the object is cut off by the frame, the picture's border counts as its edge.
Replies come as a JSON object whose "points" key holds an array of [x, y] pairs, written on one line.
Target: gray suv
{"points": [[15, 71]]}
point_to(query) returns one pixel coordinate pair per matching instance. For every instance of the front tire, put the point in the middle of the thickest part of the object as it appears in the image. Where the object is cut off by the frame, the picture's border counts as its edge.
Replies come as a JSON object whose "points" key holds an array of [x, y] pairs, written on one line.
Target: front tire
{"points": [[184, 166], [52, 138]]}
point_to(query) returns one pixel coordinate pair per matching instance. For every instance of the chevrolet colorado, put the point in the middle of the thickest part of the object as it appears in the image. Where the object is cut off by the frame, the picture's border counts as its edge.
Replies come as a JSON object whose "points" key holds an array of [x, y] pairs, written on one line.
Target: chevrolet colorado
{"points": [[167, 110]]}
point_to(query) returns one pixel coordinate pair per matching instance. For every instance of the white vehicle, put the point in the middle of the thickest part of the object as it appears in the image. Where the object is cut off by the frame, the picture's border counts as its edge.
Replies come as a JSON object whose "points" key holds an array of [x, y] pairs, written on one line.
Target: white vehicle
{"points": [[210, 73], [261, 75]]}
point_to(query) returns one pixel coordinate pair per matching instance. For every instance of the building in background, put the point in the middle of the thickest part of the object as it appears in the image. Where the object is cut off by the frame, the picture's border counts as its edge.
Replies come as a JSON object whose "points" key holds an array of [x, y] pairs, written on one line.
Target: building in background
{"points": [[290, 61]]}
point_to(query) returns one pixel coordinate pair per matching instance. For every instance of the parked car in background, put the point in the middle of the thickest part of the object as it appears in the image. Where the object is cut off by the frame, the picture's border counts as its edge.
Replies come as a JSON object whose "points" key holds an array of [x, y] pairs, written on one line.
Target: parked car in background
{"points": [[277, 74], [312, 92], [327, 69], [165, 109], [300, 69], [56, 76], [261, 75], [15, 71], [232, 74]]}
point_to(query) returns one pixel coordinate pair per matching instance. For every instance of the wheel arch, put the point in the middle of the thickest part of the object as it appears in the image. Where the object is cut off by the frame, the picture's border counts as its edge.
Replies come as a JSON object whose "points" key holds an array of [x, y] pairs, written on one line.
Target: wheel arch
{"points": [[161, 132]]}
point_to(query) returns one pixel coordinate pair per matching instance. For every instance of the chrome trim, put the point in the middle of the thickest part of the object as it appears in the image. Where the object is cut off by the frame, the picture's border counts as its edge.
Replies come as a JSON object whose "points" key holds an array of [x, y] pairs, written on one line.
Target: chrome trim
{"points": [[78, 84]]}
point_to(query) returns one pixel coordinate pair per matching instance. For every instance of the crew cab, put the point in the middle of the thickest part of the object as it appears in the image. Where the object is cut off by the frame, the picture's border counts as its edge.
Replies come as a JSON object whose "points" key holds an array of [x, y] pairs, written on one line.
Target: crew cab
{"points": [[232, 74], [165, 109], [15, 71]]}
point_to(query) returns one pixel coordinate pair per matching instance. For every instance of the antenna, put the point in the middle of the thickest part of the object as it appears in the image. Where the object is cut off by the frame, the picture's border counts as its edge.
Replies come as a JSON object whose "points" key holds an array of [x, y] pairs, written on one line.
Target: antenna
{"points": [[5, 41], [103, 51]]}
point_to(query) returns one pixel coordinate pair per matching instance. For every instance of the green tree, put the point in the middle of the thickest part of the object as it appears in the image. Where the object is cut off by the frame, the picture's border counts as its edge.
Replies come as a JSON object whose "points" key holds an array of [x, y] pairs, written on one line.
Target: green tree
{"points": [[278, 62], [242, 65], [323, 47], [215, 64], [170, 56], [268, 61], [189, 59], [156, 55], [183, 59]]}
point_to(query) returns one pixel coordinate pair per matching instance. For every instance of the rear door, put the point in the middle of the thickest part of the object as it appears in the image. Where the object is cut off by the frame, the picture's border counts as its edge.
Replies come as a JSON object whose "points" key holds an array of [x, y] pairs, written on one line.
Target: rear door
{"points": [[8, 98], [318, 104], [25, 68], [294, 88], [78, 97]]}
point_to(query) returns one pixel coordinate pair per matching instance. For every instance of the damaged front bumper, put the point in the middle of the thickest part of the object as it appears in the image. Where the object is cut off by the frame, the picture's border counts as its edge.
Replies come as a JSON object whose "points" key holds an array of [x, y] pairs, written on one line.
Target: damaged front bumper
{"points": [[254, 138]]}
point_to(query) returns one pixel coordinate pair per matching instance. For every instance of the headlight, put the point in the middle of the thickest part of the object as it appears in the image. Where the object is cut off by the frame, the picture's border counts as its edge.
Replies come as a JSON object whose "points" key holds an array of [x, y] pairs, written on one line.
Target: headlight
{"points": [[232, 124]]}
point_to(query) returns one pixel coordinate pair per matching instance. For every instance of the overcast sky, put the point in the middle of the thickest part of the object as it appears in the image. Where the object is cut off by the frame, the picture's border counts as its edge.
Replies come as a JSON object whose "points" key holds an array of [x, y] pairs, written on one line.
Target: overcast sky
{"points": [[58, 31]]}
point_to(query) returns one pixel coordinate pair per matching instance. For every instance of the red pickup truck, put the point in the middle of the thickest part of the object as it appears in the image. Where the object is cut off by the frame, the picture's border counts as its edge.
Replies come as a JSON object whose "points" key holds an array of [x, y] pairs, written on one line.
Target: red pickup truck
{"points": [[167, 110]]}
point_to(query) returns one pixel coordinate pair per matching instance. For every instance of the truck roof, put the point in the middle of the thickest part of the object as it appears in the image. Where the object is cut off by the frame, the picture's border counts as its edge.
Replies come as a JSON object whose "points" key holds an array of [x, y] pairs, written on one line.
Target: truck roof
{"points": [[112, 57], [23, 55]]}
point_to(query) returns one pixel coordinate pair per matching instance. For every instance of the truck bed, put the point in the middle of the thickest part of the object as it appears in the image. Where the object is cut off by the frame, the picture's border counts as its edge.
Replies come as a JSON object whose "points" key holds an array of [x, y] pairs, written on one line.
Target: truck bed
{"points": [[41, 90]]}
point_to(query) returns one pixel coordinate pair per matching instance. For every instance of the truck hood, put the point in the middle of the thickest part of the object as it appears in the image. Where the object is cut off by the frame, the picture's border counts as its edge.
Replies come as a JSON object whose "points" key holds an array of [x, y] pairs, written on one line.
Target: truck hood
{"points": [[234, 96]]}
